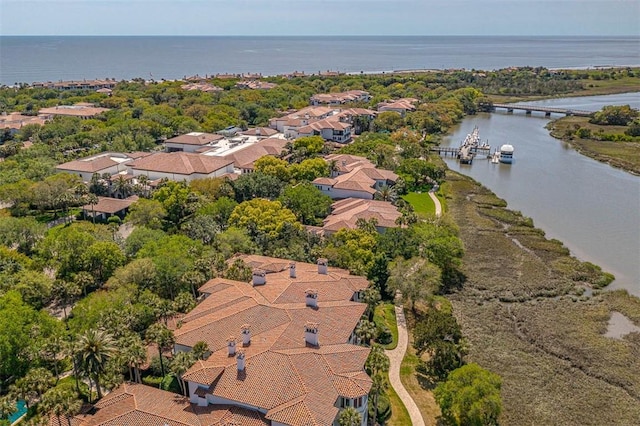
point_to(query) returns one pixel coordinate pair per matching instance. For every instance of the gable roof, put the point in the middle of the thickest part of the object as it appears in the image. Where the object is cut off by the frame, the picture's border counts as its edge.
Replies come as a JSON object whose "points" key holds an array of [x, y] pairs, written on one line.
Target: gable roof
{"points": [[133, 404], [195, 138]]}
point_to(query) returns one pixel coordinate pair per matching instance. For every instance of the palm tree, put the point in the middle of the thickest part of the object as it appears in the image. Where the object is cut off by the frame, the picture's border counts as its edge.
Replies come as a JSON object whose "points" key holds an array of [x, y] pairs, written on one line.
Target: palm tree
{"points": [[134, 354], [7, 406], [349, 417], [94, 349], [365, 330], [386, 193], [371, 296], [179, 365], [143, 181], [51, 351], [159, 334], [378, 386], [200, 350], [31, 387], [121, 186], [60, 402], [377, 366], [93, 200]]}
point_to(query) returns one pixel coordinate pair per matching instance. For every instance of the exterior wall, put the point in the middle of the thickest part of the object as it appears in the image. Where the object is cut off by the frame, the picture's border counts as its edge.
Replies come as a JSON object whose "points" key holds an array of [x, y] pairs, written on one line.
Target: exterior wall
{"points": [[86, 176], [216, 400], [173, 147], [181, 348], [363, 410], [152, 175], [343, 193]]}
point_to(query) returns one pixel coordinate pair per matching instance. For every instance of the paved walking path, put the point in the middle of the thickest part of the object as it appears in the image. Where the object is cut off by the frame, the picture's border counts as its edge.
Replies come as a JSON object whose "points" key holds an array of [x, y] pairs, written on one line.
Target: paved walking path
{"points": [[395, 359], [437, 203]]}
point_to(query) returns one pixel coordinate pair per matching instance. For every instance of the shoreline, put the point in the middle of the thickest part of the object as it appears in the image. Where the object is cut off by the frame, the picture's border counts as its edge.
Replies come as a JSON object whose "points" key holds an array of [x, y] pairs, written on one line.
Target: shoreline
{"points": [[530, 318], [410, 71]]}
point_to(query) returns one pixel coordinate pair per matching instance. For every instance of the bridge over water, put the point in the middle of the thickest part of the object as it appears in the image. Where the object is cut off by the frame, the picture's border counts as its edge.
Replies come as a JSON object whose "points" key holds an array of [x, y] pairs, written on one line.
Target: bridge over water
{"points": [[528, 109]]}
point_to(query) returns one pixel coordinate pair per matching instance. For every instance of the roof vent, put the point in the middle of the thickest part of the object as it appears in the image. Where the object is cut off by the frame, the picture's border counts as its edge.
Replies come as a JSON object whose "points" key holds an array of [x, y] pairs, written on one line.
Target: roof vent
{"points": [[311, 298], [292, 269], [311, 333], [231, 345], [240, 360], [259, 277], [245, 330], [322, 266]]}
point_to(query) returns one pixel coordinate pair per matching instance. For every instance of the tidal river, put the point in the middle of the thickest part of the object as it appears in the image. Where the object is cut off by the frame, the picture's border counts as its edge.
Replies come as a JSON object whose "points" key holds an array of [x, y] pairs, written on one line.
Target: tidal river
{"points": [[591, 207]]}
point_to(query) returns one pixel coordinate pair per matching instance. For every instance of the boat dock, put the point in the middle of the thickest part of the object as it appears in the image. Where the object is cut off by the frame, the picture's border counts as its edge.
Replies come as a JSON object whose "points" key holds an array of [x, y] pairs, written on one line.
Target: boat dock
{"points": [[468, 149]]}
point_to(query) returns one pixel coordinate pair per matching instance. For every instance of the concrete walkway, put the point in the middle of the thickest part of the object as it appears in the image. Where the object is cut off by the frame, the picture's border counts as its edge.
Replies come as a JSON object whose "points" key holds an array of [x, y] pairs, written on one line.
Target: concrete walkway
{"points": [[395, 359], [437, 203]]}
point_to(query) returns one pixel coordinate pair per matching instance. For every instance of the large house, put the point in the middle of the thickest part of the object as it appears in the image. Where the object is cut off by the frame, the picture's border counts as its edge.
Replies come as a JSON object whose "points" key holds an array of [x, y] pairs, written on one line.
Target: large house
{"points": [[300, 118], [77, 84], [340, 98], [14, 121], [107, 162], [330, 130], [401, 106], [180, 166], [346, 213], [81, 110], [244, 159], [282, 345], [362, 181], [191, 142]]}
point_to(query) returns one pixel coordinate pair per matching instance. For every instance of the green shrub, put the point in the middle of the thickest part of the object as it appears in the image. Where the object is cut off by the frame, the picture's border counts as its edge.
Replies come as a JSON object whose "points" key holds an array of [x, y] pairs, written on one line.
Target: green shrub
{"points": [[152, 381]]}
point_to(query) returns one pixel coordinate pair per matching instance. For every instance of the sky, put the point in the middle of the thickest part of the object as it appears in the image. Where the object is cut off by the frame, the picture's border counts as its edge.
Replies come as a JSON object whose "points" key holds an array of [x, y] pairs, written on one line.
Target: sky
{"points": [[320, 17]]}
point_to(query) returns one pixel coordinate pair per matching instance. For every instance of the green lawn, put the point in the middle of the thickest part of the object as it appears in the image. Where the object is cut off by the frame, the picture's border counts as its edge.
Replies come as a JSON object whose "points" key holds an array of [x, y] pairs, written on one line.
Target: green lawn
{"points": [[399, 413], [385, 314], [421, 203]]}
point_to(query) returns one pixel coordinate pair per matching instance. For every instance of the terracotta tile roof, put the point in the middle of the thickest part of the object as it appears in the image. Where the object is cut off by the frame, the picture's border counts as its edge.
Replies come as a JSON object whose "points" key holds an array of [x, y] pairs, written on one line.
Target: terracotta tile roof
{"points": [[15, 120], [342, 97], [110, 205], [201, 86], [303, 382], [405, 104], [345, 213], [78, 110], [259, 131], [324, 124], [195, 138], [182, 163], [139, 405], [92, 165], [244, 158]]}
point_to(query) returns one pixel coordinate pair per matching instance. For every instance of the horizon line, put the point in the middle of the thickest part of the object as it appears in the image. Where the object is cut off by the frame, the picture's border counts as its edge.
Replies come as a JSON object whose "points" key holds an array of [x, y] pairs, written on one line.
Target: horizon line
{"points": [[320, 35]]}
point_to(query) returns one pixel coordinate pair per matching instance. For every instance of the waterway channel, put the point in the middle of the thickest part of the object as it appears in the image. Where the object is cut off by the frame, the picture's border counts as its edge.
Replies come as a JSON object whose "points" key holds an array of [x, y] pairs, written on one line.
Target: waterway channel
{"points": [[593, 208]]}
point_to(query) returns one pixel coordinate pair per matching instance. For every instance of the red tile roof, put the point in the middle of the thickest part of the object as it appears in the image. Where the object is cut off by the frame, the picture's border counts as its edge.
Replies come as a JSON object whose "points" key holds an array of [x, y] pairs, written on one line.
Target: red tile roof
{"points": [[181, 163]]}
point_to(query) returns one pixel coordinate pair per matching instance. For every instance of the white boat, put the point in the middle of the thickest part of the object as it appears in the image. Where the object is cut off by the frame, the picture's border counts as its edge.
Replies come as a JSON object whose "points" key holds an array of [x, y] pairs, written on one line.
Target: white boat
{"points": [[506, 154]]}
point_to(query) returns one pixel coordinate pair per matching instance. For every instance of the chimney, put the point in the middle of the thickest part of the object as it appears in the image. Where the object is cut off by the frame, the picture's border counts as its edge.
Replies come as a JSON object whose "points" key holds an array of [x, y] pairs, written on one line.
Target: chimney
{"points": [[292, 269], [240, 360], [245, 330], [311, 298], [322, 266], [311, 333], [231, 345], [259, 277]]}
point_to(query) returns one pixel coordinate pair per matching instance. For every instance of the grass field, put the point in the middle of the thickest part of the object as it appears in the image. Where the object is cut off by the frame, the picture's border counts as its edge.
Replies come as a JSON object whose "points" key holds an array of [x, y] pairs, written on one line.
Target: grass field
{"points": [[421, 202], [624, 155], [385, 314], [524, 316], [399, 413]]}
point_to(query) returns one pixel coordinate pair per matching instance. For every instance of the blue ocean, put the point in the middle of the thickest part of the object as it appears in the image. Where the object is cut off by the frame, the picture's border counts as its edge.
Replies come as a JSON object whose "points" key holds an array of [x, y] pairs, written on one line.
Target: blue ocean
{"points": [[39, 58]]}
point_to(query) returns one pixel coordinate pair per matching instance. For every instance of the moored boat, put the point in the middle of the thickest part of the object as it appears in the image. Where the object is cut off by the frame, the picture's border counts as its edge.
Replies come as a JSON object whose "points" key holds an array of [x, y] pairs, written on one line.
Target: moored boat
{"points": [[506, 154]]}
